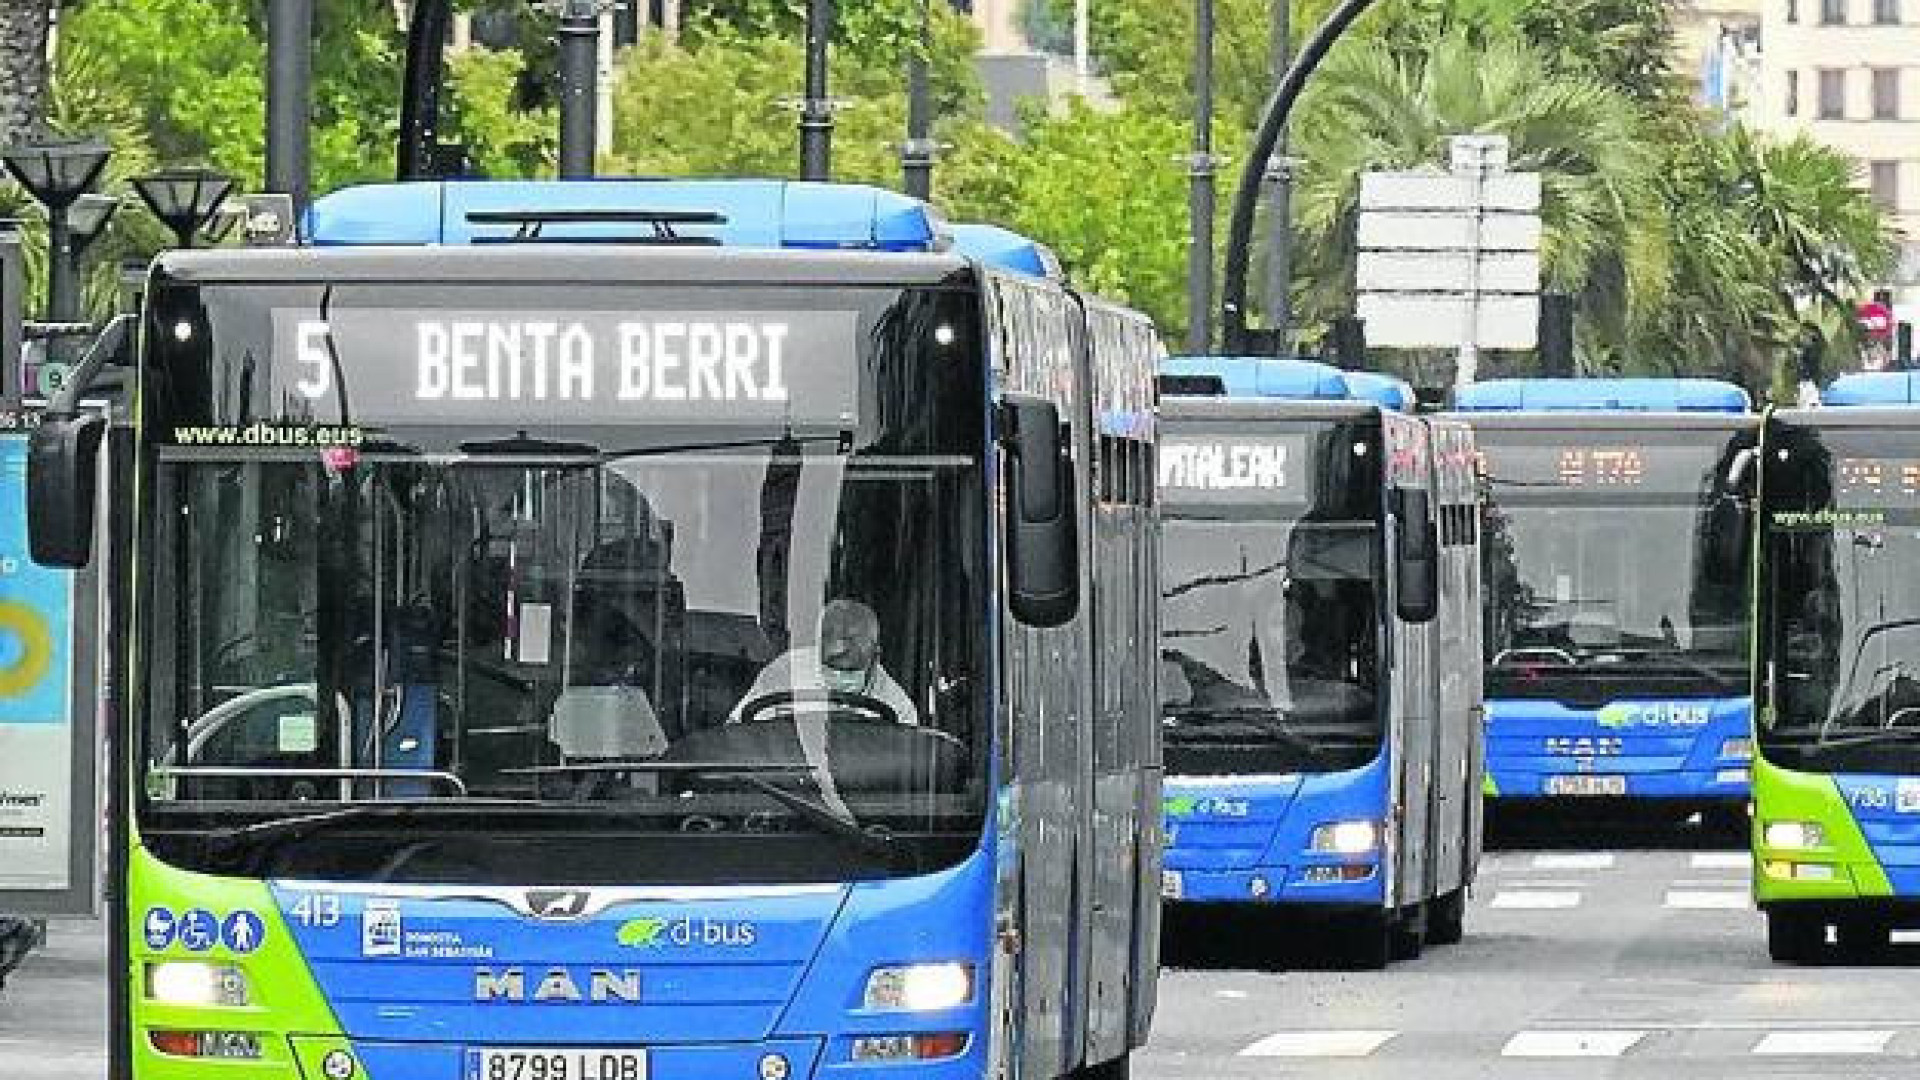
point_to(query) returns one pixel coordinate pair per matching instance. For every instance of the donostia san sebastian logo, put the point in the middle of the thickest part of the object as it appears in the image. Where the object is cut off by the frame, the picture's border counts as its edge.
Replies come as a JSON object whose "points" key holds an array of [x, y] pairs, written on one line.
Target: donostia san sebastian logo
{"points": [[1664, 714], [655, 933]]}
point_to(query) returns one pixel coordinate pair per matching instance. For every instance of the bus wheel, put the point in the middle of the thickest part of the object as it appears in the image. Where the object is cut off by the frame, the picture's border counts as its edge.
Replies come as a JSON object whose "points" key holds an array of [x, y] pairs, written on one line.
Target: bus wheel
{"points": [[1118, 1069], [1409, 933], [1371, 941], [1447, 918], [1795, 937]]}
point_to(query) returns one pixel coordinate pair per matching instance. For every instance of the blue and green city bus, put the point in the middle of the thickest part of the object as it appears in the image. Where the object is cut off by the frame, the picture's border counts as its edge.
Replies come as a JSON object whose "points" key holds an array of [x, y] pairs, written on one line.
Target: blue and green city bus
{"points": [[629, 630], [1616, 587], [1836, 787], [1320, 615]]}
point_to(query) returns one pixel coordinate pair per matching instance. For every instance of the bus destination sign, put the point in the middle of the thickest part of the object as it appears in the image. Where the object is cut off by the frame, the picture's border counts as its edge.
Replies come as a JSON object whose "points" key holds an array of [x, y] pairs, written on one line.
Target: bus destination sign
{"points": [[1664, 468], [566, 367], [1234, 468]]}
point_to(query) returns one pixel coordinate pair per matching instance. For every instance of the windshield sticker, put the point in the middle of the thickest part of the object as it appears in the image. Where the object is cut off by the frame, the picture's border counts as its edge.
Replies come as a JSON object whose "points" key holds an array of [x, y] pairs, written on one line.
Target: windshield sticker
{"points": [[318, 437], [1620, 716], [1823, 520], [444, 366], [242, 932]]}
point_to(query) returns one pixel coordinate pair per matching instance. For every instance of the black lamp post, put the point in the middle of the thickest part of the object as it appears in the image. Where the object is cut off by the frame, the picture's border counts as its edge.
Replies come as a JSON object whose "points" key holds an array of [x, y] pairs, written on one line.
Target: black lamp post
{"points": [[56, 173], [87, 220], [184, 199]]}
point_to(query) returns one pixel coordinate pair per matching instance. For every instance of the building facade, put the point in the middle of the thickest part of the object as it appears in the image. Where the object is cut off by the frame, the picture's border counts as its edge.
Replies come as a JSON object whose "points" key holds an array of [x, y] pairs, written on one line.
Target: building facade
{"points": [[1847, 73]]}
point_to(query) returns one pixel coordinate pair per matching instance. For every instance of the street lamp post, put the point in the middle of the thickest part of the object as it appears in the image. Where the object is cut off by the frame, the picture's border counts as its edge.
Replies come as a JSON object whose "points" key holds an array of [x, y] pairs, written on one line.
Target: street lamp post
{"points": [[1233, 305], [579, 70], [917, 154], [56, 173], [816, 111], [1201, 167], [184, 199]]}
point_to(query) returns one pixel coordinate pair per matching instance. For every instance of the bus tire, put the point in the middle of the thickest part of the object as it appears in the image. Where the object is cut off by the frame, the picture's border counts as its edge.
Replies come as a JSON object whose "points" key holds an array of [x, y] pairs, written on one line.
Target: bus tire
{"points": [[1447, 918], [1409, 936], [1795, 937], [1370, 944], [1119, 1068]]}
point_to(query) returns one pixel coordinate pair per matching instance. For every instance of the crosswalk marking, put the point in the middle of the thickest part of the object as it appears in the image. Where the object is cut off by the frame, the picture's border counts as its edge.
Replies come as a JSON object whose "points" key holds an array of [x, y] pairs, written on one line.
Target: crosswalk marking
{"points": [[1558, 1044], [1824, 1042], [1722, 860], [1320, 1044], [1708, 899], [1536, 899], [1579, 860]]}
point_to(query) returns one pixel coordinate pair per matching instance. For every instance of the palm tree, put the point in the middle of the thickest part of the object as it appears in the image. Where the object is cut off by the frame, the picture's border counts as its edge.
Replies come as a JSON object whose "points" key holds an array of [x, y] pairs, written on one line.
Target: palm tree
{"points": [[1606, 236], [1772, 238]]}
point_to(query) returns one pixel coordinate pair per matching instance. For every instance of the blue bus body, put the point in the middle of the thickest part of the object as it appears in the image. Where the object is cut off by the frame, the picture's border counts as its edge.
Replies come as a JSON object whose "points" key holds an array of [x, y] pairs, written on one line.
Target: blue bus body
{"points": [[1262, 571], [1615, 639], [1032, 952]]}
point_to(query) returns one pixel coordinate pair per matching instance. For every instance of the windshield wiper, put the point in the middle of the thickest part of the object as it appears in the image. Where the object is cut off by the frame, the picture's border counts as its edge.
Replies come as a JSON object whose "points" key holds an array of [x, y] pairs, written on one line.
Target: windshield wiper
{"points": [[870, 839], [269, 836], [1869, 738], [1275, 726]]}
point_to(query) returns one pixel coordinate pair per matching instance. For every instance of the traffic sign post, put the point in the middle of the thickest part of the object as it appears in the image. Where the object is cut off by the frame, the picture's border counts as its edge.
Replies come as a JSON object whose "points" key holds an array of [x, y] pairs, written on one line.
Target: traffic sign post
{"points": [[1452, 259]]}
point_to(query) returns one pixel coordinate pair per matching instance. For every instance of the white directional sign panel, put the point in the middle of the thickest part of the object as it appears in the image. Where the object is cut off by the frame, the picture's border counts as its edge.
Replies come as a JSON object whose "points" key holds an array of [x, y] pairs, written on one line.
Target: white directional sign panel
{"points": [[1403, 230], [1510, 192], [1429, 321], [1450, 271]]}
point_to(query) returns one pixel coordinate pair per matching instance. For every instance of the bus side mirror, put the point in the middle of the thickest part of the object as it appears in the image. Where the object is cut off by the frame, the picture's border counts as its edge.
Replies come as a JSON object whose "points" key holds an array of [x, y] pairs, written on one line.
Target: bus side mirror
{"points": [[1417, 562], [62, 479], [1043, 567]]}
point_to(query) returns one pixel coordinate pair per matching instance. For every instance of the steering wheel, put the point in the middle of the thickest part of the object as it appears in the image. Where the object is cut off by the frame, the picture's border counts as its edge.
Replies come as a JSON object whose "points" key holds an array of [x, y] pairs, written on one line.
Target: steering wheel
{"points": [[859, 708]]}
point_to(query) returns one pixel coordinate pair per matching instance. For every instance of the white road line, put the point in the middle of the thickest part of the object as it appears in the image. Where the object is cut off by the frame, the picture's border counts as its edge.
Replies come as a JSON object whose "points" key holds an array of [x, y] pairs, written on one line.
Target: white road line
{"points": [[1722, 860], [1708, 900], [1320, 1044], [1231, 995], [1824, 1042], [1535, 900], [1562, 1044], [1709, 883], [1583, 860]]}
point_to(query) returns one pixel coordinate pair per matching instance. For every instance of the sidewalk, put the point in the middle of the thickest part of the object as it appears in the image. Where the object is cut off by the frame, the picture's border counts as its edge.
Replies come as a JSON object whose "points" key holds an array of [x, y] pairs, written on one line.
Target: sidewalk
{"points": [[53, 1012]]}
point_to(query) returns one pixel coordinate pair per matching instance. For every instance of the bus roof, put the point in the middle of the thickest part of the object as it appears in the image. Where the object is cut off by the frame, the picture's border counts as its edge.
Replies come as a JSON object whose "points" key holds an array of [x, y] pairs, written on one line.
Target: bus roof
{"points": [[1873, 388], [751, 213], [1602, 395], [1270, 377], [1005, 249]]}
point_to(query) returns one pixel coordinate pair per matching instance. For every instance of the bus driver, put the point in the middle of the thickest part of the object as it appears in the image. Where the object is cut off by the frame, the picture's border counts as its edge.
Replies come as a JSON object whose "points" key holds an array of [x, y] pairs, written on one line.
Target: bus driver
{"points": [[846, 661]]}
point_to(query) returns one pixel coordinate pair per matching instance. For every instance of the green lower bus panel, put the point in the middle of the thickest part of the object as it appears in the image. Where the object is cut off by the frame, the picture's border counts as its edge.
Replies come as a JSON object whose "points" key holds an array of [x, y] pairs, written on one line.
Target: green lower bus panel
{"points": [[1807, 843]]}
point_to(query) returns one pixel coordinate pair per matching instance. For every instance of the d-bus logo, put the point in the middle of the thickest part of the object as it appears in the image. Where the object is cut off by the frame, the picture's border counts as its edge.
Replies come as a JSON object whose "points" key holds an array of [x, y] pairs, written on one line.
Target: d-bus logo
{"points": [[1663, 714], [658, 933]]}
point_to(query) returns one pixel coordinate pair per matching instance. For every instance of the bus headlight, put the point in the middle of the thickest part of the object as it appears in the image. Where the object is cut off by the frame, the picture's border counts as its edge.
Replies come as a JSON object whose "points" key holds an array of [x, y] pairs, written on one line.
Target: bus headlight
{"points": [[920, 987], [1795, 835], [183, 982], [1347, 838]]}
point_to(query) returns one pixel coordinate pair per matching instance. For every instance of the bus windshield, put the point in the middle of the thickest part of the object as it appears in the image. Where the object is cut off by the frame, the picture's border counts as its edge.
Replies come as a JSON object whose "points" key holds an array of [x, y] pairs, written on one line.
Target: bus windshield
{"points": [[1269, 616], [526, 627], [1842, 617], [1600, 564]]}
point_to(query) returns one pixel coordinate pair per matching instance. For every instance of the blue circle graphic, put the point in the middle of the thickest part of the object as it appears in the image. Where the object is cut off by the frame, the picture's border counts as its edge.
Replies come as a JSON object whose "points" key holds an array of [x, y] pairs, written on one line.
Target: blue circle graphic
{"points": [[243, 932], [199, 930], [159, 927]]}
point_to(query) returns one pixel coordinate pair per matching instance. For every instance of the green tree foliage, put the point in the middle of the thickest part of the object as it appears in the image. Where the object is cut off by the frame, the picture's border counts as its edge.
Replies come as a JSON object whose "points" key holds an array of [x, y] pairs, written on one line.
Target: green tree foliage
{"points": [[1605, 233], [719, 103], [1102, 188]]}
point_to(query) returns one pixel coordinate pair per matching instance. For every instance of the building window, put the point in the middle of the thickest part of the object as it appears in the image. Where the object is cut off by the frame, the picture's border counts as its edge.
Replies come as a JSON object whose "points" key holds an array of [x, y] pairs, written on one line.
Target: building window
{"points": [[1886, 93], [1886, 12], [1883, 182], [1833, 95], [1793, 92], [1833, 12]]}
